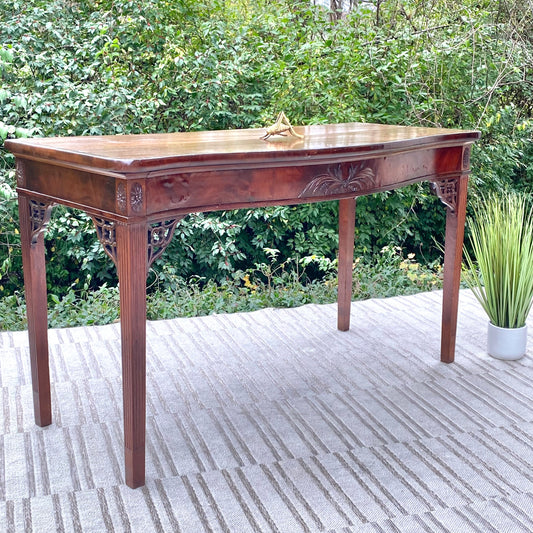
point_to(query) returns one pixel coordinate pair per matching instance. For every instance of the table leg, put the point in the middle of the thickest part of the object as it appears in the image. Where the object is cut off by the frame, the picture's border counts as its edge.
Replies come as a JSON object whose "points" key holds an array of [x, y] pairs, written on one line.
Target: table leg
{"points": [[32, 243], [346, 246], [453, 253], [131, 263]]}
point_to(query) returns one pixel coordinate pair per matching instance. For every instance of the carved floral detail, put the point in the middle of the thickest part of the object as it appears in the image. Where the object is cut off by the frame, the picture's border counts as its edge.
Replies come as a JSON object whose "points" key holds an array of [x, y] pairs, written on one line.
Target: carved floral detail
{"points": [[121, 197], [446, 190], [159, 235], [466, 157], [20, 173], [106, 232], [136, 197], [334, 181], [40, 213]]}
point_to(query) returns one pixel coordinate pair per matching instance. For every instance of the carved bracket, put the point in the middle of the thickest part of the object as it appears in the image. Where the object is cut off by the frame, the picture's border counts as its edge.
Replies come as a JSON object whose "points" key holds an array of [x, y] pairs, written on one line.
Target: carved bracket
{"points": [[358, 178], [159, 235], [106, 232], [446, 190], [40, 213]]}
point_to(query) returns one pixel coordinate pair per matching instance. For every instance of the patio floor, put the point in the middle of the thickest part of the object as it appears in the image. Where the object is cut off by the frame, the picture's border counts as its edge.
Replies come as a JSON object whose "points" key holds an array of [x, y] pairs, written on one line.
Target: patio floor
{"points": [[276, 421]]}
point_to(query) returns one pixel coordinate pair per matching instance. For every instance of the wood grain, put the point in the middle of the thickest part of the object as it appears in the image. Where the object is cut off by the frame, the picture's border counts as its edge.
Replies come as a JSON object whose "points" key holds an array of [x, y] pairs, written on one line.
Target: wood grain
{"points": [[33, 260], [346, 247]]}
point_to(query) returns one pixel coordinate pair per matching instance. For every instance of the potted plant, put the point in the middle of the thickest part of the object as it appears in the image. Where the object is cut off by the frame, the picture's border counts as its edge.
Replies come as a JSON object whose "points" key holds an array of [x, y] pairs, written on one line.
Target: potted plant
{"points": [[500, 269]]}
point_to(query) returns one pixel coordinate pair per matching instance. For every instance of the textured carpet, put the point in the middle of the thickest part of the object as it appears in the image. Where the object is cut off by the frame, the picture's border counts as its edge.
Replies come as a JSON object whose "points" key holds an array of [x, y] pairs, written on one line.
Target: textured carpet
{"points": [[275, 421]]}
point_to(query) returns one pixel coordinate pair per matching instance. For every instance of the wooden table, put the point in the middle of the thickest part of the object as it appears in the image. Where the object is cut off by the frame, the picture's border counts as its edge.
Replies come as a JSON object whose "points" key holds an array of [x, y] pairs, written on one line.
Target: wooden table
{"points": [[136, 188]]}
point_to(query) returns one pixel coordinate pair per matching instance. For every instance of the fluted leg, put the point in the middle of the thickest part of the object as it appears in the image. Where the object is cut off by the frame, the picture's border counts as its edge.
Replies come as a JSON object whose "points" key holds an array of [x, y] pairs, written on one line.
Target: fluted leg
{"points": [[33, 218], [131, 260]]}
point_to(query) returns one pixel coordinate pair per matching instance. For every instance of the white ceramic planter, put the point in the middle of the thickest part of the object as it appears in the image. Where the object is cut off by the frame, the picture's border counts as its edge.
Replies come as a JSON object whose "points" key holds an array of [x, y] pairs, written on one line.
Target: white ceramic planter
{"points": [[506, 343]]}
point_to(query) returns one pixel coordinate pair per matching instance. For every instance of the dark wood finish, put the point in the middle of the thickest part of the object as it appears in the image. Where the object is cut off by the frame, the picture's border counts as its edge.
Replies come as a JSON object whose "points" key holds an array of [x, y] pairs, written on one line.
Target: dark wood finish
{"points": [[137, 187], [453, 253], [32, 242], [346, 246], [132, 263]]}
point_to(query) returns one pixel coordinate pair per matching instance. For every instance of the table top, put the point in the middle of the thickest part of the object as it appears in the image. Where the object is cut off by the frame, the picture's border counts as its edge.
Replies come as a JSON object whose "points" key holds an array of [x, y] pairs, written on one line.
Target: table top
{"points": [[133, 153]]}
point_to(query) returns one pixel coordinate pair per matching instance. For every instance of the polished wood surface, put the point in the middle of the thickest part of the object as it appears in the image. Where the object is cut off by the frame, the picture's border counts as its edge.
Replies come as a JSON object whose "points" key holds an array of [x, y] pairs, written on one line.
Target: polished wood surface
{"points": [[136, 189], [135, 152], [36, 304], [453, 253], [345, 268]]}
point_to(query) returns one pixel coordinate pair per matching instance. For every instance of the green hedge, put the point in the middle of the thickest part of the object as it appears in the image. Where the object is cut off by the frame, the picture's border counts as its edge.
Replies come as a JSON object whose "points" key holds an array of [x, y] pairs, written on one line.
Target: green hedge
{"points": [[109, 67]]}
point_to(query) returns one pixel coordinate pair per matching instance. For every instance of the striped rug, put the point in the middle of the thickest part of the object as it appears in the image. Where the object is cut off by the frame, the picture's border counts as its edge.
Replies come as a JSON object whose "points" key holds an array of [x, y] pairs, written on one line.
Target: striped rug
{"points": [[274, 421]]}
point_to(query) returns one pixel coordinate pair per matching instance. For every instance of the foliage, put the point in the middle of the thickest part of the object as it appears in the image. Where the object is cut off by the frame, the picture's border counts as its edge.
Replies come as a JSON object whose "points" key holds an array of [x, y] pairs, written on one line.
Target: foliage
{"points": [[87, 308], [272, 283], [391, 273], [13, 313], [111, 67], [9, 238], [501, 276]]}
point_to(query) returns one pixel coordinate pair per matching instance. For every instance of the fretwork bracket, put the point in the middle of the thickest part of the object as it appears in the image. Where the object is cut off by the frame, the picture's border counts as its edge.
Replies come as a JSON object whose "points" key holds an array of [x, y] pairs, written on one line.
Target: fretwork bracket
{"points": [[159, 235], [40, 213], [446, 190], [106, 233]]}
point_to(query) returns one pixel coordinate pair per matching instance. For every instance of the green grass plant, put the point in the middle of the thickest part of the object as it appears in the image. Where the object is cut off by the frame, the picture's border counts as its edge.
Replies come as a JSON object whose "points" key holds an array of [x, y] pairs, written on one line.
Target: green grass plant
{"points": [[500, 271]]}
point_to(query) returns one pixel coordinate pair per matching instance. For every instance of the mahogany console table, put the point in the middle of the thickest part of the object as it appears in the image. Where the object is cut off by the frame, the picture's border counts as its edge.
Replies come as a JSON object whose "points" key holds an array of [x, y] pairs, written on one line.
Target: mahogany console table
{"points": [[136, 188]]}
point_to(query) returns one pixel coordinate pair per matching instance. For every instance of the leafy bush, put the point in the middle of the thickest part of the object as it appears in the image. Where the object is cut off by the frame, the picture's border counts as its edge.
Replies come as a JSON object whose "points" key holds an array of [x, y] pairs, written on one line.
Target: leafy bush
{"points": [[273, 283], [108, 67]]}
